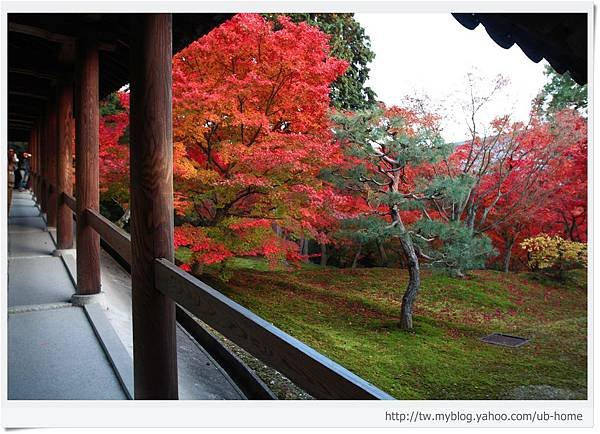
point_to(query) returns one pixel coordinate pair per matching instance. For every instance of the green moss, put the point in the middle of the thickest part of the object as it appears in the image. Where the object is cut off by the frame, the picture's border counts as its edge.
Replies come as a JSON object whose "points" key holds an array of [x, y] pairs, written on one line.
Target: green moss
{"points": [[352, 315]]}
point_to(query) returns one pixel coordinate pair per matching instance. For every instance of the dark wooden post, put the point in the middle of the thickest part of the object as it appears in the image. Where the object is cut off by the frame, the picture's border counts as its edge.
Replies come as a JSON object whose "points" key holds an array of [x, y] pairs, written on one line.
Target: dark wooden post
{"points": [[38, 164], [64, 228], [51, 164], [33, 151], [87, 169], [33, 169], [43, 163], [34, 165], [32, 160], [151, 142]]}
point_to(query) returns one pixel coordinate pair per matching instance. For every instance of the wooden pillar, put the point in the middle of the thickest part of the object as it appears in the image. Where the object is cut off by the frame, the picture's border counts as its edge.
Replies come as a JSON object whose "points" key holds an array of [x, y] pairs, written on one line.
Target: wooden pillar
{"points": [[151, 158], [32, 173], [31, 150], [38, 165], [34, 168], [33, 160], [64, 228], [43, 163], [51, 164], [87, 173]]}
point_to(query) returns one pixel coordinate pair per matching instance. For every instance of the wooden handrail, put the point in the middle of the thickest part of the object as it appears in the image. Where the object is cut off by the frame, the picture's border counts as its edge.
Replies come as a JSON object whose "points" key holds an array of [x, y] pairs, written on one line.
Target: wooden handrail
{"points": [[114, 236], [315, 373], [69, 201]]}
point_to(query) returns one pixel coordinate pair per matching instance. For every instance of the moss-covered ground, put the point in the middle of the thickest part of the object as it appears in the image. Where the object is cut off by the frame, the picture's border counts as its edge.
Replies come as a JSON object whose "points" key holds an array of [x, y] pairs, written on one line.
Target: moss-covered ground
{"points": [[351, 315]]}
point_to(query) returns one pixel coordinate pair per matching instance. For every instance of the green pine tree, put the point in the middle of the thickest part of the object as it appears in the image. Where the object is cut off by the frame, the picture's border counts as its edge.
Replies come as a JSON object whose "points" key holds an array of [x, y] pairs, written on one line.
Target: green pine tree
{"points": [[385, 144], [562, 92]]}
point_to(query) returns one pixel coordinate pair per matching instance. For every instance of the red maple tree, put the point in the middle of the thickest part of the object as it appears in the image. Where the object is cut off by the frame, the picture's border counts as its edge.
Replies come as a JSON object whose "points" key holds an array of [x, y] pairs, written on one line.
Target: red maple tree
{"points": [[527, 179], [251, 136]]}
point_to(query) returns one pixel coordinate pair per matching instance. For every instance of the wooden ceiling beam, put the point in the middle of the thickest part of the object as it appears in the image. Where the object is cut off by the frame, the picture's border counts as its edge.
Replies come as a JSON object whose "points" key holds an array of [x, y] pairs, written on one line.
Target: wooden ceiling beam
{"points": [[51, 36], [20, 127], [17, 121], [33, 73], [24, 106], [40, 33], [27, 95], [22, 115], [20, 119]]}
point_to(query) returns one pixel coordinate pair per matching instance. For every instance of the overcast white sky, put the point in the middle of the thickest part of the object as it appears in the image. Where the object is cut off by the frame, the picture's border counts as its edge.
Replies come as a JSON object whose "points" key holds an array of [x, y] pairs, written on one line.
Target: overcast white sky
{"points": [[430, 54]]}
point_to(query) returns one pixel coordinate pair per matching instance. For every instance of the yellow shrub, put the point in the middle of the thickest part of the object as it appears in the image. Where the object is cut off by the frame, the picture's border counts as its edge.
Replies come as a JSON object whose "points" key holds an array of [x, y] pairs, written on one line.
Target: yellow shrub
{"points": [[545, 251]]}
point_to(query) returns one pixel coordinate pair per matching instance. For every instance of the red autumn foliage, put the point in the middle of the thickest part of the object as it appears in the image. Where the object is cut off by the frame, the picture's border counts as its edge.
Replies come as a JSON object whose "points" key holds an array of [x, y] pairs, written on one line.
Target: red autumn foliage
{"points": [[113, 154], [534, 181], [252, 135]]}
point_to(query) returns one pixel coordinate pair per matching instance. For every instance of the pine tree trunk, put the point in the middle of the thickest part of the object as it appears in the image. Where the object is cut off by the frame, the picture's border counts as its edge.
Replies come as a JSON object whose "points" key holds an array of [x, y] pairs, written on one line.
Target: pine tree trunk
{"points": [[414, 278], [323, 254], [414, 283], [508, 245]]}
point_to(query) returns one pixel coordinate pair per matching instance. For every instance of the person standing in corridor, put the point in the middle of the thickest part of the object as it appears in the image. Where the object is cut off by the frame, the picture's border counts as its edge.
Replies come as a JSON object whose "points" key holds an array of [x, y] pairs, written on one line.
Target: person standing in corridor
{"points": [[23, 167]]}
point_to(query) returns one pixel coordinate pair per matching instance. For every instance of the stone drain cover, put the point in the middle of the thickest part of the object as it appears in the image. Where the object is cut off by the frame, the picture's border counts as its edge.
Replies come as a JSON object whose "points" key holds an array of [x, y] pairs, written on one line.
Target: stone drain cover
{"points": [[504, 340]]}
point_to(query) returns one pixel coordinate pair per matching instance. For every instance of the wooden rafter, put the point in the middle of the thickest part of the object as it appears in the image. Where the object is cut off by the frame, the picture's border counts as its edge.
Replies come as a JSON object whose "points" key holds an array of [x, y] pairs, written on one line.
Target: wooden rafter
{"points": [[27, 94], [33, 73], [51, 36]]}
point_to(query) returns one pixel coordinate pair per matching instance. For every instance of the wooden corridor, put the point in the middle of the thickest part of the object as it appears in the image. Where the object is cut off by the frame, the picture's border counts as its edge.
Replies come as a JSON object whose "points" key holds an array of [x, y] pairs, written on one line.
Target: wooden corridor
{"points": [[46, 330]]}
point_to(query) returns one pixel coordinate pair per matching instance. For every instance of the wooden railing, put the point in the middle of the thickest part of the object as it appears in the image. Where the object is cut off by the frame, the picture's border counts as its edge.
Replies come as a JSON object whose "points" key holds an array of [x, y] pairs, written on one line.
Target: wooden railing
{"points": [[315, 373], [309, 369], [69, 201], [113, 235]]}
